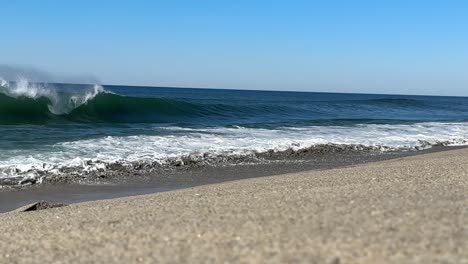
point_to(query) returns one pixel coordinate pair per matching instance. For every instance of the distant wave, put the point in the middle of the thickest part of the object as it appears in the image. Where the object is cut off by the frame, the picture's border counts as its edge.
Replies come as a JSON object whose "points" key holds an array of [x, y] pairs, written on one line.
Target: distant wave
{"points": [[391, 102], [394, 100]]}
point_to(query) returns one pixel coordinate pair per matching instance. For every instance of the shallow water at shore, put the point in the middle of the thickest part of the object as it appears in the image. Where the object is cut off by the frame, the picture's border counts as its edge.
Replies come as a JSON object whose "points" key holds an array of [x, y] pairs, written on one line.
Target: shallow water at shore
{"points": [[107, 186]]}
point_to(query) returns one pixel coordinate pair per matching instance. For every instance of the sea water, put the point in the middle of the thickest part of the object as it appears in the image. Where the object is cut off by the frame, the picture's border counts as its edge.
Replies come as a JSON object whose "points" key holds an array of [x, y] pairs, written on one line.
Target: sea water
{"points": [[46, 129]]}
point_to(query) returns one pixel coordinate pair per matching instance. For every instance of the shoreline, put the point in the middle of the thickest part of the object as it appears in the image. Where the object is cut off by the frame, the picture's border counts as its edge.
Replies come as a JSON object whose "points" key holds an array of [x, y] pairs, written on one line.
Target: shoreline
{"points": [[408, 210], [181, 177], [119, 171]]}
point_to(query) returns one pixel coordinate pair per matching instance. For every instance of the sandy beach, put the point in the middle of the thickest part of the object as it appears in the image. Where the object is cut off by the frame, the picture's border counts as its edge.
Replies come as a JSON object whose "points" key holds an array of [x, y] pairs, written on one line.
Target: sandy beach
{"points": [[408, 210]]}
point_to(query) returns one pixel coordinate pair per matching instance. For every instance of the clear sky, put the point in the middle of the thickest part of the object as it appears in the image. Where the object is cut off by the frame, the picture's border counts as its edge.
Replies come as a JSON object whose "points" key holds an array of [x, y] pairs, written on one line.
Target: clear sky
{"points": [[410, 46]]}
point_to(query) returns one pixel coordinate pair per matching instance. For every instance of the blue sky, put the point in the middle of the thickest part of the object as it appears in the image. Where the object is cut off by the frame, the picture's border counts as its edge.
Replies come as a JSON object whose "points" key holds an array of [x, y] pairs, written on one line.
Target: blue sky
{"points": [[409, 47]]}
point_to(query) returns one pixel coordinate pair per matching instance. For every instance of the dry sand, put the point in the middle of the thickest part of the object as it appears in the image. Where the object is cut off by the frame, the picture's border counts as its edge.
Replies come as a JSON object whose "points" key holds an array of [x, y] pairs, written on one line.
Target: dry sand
{"points": [[410, 210]]}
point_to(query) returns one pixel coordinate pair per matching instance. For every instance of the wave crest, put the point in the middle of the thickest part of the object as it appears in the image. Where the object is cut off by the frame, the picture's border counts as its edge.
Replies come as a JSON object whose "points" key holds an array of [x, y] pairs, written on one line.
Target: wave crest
{"points": [[57, 103], [27, 102]]}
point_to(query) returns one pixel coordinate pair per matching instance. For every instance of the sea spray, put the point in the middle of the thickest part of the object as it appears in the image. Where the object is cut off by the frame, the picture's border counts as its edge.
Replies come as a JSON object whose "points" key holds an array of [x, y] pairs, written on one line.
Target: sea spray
{"points": [[58, 103]]}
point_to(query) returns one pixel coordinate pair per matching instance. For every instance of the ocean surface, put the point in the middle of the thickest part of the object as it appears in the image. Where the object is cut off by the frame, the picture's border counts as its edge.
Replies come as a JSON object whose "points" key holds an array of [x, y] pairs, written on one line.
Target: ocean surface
{"points": [[47, 129]]}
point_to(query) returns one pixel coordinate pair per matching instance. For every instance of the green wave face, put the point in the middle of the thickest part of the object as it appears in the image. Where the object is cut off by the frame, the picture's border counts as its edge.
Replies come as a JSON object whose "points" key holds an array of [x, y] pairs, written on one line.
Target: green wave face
{"points": [[24, 110], [104, 107], [108, 107]]}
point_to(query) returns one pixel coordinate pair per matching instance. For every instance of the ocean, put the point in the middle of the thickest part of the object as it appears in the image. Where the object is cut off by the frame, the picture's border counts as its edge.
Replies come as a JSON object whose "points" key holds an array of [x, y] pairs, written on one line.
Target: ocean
{"points": [[48, 130]]}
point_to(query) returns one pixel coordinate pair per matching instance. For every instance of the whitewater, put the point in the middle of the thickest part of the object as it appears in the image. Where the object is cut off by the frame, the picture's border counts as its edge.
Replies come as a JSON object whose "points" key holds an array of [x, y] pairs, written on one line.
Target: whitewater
{"points": [[50, 130]]}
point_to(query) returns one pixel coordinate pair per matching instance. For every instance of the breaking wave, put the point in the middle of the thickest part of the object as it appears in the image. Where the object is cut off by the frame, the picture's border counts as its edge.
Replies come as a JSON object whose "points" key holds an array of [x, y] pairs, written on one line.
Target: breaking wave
{"points": [[23, 102], [30, 103]]}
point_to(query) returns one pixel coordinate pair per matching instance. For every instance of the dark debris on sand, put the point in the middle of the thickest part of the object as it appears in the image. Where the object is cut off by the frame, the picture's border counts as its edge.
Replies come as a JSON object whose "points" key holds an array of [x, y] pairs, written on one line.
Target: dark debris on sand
{"points": [[41, 205]]}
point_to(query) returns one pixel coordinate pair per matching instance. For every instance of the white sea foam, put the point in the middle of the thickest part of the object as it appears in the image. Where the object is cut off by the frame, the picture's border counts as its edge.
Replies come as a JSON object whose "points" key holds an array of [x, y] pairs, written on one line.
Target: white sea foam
{"points": [[96, 154]]}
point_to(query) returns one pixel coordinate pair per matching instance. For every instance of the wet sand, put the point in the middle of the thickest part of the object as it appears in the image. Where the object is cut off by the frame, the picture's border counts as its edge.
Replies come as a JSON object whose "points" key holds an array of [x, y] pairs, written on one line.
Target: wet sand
{"points": [[408, 210], [110, 185]]}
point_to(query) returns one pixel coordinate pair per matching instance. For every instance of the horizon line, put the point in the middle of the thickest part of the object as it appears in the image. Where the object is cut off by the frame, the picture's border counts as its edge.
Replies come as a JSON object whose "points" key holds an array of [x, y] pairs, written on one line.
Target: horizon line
{"points": [[245, 89]]}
